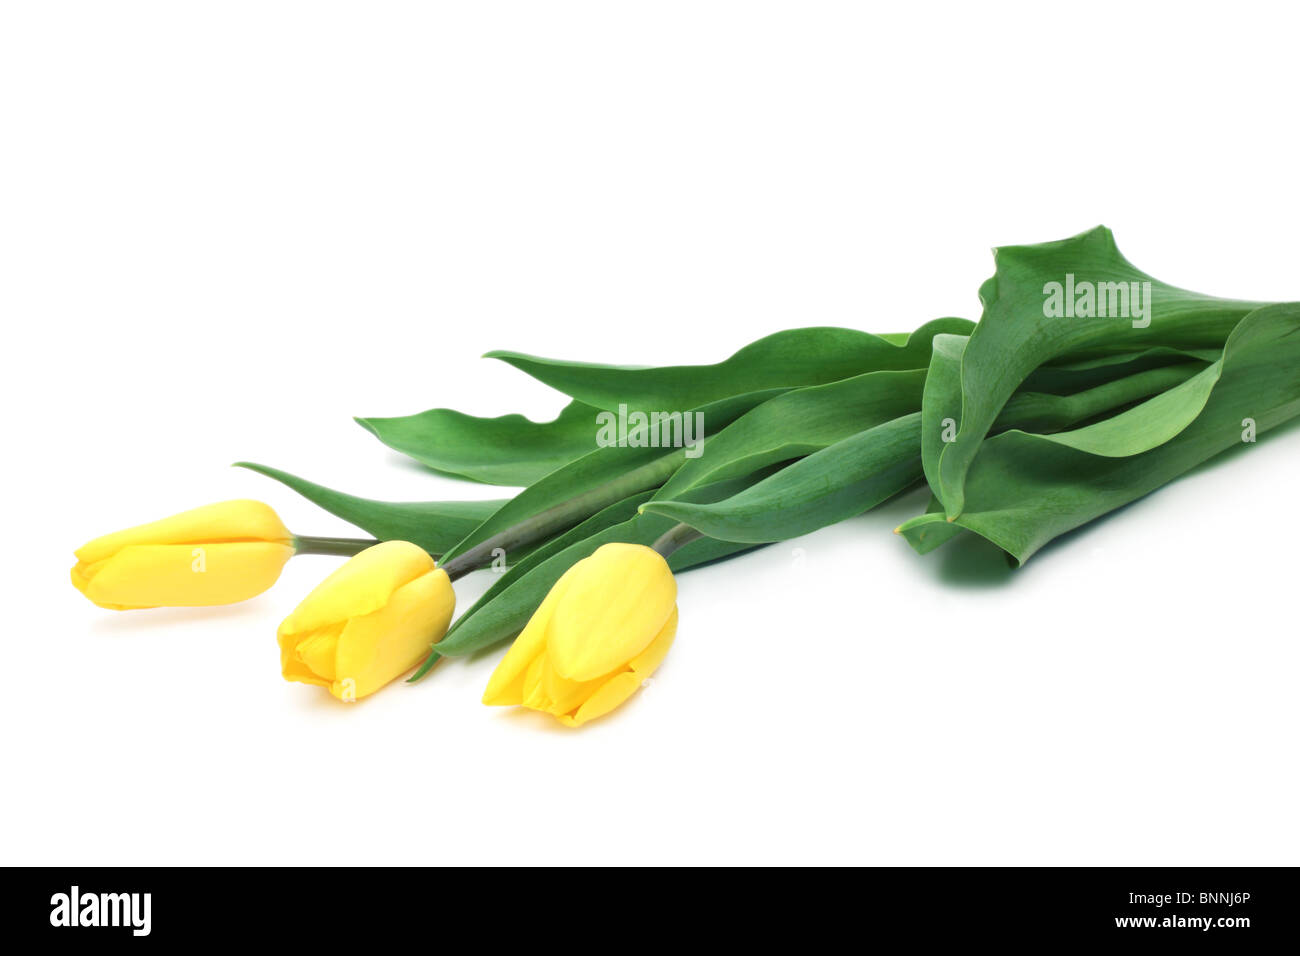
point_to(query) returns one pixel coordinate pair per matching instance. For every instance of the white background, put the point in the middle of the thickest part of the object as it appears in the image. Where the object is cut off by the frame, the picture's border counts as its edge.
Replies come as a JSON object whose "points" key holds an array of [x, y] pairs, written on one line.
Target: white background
{"points": [[227, 228]]}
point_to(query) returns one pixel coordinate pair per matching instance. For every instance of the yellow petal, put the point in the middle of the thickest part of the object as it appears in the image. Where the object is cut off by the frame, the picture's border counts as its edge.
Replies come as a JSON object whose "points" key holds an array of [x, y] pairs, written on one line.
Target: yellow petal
{"points": [[360, 586], [506, 685], [564, 696], [612, 693], [226, 521], [321, 650], [534, 689], [648, 661], [600, 697], [317, 652], [615, 605], [379, 647], [181, 575]]}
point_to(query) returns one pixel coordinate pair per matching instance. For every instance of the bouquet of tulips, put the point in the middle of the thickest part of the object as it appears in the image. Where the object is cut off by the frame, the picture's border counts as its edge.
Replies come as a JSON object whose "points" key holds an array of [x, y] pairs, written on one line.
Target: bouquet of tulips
{"points": [[1085, 384]]}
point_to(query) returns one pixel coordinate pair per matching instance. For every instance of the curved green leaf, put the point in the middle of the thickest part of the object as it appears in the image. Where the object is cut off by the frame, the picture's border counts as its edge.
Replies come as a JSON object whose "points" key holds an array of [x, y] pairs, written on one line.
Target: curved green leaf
{"points": [[509, 450], [434, 525], [1075, 376], [1150, 424], [798, 423], [1040, 412], [838, 482], [1016, 333], [605, 476], [789, 359], [861, 471], [1023, 490]]}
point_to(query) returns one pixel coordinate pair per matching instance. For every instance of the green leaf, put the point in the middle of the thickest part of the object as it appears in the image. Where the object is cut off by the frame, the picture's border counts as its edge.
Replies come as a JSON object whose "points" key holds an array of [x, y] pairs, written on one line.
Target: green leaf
{"points": [[433, 525], [1016, 334], [1035, 411], [1075, 376], [861, 471], [789, 359], [510, 450], [1024, 489], [798, 423], [603, 477], [838, 482]]}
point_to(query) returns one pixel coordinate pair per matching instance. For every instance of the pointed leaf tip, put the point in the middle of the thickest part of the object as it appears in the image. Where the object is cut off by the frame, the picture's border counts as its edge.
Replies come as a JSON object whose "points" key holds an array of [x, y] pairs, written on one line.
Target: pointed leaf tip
{"points": [[425, 666]]}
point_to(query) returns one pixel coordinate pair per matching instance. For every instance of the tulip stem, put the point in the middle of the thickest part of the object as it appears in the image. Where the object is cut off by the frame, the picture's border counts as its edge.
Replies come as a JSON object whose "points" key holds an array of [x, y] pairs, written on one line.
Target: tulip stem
{"points": [[565, 515], [675, 537], [344, 547]]}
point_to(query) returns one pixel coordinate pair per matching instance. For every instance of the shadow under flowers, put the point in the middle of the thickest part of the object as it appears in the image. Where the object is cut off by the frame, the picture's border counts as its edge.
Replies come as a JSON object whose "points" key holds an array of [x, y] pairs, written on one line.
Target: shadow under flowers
{"points": [[969, 560], [163, 618]]}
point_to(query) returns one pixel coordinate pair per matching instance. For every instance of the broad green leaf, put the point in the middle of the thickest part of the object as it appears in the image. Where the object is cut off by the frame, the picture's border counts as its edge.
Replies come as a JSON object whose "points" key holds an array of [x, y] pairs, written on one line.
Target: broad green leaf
{"points": [[607, 475], [941, 402], [510, 450], [1047, 413], [1033, 411], [838, 482], [789, 359], [1023, 490], [1017, 332], [433, 525], [1076, 376], [798, 423], [860, 472], [1150, 424]]}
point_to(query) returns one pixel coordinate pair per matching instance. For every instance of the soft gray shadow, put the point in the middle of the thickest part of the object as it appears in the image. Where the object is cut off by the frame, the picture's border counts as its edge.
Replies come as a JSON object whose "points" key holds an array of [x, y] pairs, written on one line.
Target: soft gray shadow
{"points": [[539, 722], [165, 618], [969, 561]]}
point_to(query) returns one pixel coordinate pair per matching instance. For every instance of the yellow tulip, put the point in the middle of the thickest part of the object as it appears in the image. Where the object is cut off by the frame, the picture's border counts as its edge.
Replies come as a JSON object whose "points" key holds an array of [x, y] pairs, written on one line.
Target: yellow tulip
{"points": [[369, 622], [601, 631], [217, 554]]}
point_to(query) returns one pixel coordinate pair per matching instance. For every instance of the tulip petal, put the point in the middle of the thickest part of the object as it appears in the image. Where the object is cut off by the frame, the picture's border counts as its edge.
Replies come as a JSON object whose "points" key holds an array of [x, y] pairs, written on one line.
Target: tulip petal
{"points": [[181, 575], [564, 696], [317, 652], [376, 648], [602, 697], [506, 686], [615, 605], [648, 661], [612, 693], [226, 521], [360, 586], [534, 692], [295, 666]]}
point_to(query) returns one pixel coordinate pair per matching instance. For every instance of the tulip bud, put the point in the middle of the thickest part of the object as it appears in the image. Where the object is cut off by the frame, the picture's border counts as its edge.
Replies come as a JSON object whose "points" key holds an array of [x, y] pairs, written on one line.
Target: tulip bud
{"points": [[369, 622], [602, 630], [217, 554]]}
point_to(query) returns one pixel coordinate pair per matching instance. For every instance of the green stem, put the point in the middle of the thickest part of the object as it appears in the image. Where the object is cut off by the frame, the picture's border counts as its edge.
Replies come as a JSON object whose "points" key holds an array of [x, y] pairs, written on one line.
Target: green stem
{"points": [[676, 537], [565, 515], [344, 547]]}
